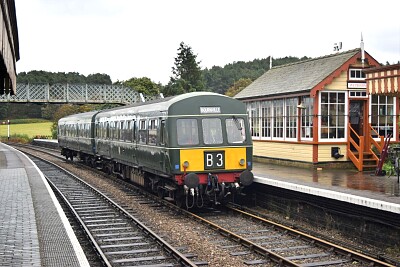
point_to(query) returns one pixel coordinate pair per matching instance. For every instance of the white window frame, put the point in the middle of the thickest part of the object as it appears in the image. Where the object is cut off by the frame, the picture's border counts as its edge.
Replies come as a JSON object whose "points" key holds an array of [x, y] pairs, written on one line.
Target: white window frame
{"points": [[394, 115], [307, 112], [346, 100], [357, 78], [255, 108]]}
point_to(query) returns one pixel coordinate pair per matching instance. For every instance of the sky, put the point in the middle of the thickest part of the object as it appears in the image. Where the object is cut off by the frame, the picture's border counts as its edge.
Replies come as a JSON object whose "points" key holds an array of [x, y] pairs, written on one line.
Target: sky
{"points": [[140, 38]]}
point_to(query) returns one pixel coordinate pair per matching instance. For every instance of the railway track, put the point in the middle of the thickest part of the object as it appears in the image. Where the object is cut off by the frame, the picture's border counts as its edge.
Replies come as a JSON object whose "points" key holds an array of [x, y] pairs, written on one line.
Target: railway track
{"points": [[117, 236], [278, 241], [253, 240]]}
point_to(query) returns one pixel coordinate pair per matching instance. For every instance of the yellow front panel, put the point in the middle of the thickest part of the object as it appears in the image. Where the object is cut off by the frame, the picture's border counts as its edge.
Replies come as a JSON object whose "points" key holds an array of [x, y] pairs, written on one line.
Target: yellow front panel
{"points": [[195, 157]]}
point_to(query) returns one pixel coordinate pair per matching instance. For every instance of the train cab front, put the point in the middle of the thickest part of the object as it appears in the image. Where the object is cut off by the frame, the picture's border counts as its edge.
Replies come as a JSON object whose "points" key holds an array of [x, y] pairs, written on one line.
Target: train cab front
{"points": [[213, 175], [213, 156]]}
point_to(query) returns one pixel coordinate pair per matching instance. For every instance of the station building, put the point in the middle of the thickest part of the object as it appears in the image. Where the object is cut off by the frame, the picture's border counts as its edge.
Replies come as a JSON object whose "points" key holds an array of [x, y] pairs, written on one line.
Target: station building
{"points": [[320, 112], [9, 49]]}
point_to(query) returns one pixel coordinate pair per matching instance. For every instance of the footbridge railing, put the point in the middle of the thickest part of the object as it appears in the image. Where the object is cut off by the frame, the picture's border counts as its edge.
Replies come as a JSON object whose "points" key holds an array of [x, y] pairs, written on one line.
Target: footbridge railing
{"points": [[74, 93]]}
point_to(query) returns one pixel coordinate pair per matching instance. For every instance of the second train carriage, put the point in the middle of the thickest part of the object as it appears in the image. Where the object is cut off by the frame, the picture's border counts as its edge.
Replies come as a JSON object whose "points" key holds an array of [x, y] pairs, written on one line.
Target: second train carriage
{"points": [[189, 147]]}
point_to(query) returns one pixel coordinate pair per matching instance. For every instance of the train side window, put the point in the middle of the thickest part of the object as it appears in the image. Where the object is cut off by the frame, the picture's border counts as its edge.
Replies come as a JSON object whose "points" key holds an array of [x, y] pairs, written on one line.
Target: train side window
{"points": [[212, 131], [103, 131], [121, 130], [235, 130], [162, 133], [127, 130], [142, 132], [134, 128], [153, 131], [187, 132], [97, 132], [108, 130]]}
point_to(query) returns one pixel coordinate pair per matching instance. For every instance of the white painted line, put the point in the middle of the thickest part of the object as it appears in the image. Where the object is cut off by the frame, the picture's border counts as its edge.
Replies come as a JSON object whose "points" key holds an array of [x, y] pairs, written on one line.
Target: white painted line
{"points": [[75, 243], [358, 200]]}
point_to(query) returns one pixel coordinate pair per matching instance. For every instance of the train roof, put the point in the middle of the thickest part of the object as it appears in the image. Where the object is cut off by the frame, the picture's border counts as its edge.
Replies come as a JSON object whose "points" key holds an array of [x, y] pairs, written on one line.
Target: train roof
{"points": [[187, 104], [86, 116], [184, 104]]}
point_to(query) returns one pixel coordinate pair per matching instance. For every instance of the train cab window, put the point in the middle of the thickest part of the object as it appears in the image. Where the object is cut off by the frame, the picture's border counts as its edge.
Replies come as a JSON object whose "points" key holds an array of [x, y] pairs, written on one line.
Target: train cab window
{"points": [[212, 131], [153, 131], [235, 130], [187, 132]]}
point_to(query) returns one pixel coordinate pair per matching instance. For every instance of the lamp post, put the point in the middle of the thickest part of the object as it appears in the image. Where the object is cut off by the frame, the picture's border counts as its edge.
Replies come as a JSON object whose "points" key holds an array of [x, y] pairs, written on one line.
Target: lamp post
{"points": [[8, 130]]}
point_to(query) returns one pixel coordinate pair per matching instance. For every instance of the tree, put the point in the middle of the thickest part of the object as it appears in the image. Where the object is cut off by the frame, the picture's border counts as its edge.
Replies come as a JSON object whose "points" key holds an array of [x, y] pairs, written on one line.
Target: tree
{"points": [[238, 86], [98, 78], [143, 85], [66, 110], [186, 74]]}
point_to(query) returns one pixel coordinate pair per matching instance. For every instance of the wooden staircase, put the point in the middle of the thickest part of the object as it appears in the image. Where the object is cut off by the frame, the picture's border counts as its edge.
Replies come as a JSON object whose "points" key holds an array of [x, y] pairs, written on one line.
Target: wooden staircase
{"points": [[360, 149]]}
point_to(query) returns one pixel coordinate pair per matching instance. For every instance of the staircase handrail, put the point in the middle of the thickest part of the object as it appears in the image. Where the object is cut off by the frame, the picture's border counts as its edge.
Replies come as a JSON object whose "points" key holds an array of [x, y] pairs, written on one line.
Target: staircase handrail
{"points": [[358, 161], [378, 146]]}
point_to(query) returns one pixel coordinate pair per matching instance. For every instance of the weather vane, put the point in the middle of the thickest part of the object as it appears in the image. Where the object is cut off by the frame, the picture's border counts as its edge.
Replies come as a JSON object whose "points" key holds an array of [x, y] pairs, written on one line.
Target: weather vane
{"points": [[337, 46]]}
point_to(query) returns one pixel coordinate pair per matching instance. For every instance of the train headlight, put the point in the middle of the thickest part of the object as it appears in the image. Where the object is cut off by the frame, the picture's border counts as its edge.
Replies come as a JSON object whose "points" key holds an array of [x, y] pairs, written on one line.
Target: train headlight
{"points": [[242, 162], [185, 164]]}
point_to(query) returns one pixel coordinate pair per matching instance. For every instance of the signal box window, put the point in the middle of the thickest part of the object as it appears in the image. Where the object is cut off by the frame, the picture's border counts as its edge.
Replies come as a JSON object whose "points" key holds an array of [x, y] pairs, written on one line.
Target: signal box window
{"points": [[235, 130], [187, 132], [212, 131], [356, 74]]}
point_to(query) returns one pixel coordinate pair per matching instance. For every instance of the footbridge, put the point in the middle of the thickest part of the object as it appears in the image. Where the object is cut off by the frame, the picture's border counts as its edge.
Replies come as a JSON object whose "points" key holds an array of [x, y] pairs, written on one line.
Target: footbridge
{"points": [[74, 93]]}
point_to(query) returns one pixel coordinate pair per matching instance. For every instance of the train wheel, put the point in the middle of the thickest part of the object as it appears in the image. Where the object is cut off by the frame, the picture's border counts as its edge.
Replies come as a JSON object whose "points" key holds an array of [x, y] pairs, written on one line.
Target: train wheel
{"points": [[180, 201], [160, 192]]}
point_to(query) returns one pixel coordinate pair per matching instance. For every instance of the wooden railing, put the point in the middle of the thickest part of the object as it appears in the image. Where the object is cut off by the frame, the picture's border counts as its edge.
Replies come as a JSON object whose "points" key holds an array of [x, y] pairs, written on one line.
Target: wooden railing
{"points": [[363, 144], [357, 159], [372, 141]]}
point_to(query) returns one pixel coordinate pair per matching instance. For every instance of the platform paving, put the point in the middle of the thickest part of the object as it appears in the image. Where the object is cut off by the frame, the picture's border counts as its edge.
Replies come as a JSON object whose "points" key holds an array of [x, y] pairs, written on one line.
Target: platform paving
{"points": [[361, 188], [34, 231]]}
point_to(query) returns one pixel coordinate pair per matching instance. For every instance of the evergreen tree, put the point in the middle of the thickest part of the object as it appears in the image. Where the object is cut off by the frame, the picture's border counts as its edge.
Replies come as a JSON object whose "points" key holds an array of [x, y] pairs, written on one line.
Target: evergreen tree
{"points": [[186, 74]]}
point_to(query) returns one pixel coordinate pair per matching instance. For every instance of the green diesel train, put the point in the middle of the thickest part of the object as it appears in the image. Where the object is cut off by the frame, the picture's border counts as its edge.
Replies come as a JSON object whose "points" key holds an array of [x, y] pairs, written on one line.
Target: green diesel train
{"points": [[191, 148]]}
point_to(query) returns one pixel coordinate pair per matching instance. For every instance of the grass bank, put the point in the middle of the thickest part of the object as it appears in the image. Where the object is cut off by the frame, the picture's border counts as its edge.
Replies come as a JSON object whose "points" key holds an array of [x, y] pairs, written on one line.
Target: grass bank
{"points": [[25, 130]]}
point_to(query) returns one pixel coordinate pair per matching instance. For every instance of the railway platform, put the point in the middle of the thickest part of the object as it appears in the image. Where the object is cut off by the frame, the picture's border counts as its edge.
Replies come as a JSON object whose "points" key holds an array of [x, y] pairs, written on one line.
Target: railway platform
{"points": [[34, 231], [347, 185]]}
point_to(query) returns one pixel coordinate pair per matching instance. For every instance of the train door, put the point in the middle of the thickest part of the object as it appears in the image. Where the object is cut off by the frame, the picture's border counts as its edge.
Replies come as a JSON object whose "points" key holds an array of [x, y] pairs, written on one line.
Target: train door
{"points": [[161, 144], [134, 140]]}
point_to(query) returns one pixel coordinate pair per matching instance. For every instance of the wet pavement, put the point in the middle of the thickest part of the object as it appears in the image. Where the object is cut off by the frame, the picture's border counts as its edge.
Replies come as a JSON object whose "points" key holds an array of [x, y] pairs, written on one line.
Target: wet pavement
{"points": [[347, 179]]}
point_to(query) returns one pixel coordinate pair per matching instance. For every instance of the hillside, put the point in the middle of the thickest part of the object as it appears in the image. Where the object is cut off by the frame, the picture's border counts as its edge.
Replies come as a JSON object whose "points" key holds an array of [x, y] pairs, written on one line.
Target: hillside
{"points": [[219, 79]]}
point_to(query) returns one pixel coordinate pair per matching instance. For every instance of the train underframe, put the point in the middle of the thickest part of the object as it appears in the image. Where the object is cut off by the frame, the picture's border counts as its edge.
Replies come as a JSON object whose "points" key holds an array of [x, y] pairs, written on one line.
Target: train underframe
{"points": [[186, 190]]}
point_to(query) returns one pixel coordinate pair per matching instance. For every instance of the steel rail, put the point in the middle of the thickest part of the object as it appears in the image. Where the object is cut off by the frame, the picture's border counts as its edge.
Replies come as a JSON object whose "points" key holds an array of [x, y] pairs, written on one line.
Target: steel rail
{"points": [[245, 242], [99, 251], [179, 257], [264, 252], [322, 243]]}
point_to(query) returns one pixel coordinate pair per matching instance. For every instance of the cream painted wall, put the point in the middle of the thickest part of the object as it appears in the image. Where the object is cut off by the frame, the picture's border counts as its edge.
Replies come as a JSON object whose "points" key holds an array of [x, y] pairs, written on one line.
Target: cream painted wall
{"points": [[288, 151], [324, 153], [296, 152], [339, 83]]}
